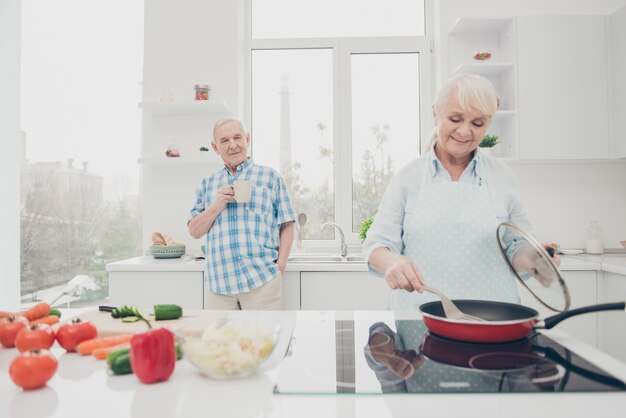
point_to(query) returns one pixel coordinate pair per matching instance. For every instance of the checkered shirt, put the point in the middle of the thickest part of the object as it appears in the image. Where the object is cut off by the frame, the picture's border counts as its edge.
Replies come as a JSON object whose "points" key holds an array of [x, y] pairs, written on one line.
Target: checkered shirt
{"points": [[242, 245]]}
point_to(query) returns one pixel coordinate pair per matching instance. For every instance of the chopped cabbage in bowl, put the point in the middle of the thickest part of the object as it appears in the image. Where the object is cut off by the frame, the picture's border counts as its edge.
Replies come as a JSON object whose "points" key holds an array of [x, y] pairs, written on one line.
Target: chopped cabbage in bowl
{"points": [[236, 349]]}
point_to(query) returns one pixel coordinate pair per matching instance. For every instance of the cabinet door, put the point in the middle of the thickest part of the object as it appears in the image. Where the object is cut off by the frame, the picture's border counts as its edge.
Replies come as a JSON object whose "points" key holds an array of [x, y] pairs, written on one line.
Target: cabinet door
{"points": [[291, 290], [618, 80], [613, 335], [145, 289], [562, 73], [582, 286], [343, 291]]}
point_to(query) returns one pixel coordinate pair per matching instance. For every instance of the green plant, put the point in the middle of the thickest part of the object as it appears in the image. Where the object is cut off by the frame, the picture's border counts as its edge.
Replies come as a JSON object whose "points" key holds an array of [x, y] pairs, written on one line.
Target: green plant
{"points": [[364, 227], [489, 141], [204, 149]]}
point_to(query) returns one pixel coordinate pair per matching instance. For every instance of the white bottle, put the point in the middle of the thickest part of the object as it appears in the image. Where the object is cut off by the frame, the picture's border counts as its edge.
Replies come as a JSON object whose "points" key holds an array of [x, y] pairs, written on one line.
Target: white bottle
{"points": [[594, 244]]}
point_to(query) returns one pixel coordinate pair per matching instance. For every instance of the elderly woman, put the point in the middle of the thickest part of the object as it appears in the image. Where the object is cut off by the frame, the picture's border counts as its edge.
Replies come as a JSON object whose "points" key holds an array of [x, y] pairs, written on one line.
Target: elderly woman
{"points": [[437, 221]]}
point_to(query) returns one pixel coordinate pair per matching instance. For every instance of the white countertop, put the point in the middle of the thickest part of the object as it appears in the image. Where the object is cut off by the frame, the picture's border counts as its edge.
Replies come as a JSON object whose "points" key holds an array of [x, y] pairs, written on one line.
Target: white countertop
{"points": [[81, 387], [149, 263], [615, 263]]}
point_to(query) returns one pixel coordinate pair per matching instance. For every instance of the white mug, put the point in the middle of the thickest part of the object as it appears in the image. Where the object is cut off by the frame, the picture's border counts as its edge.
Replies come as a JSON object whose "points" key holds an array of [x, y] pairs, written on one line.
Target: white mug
{"points": [[243, 190]]}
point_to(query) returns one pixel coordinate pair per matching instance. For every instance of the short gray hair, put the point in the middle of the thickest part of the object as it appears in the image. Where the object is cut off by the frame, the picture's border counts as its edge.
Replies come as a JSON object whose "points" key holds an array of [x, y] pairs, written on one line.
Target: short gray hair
{"points": [[472, 91], [225, 121]]}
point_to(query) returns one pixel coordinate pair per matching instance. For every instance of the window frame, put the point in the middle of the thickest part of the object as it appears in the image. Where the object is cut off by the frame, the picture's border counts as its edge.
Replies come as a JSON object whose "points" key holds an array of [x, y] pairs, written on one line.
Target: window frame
{"points": [[342, 49]]}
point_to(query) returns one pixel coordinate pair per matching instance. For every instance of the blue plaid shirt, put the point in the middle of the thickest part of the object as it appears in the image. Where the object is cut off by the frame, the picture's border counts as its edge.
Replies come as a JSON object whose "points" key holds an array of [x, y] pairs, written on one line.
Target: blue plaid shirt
{"points": [[242, 245]]}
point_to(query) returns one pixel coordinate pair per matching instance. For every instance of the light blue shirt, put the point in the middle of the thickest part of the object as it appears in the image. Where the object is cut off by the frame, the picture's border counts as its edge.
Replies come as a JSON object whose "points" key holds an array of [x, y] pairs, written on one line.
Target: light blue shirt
{"points": [[401, 193], [242, 245]]}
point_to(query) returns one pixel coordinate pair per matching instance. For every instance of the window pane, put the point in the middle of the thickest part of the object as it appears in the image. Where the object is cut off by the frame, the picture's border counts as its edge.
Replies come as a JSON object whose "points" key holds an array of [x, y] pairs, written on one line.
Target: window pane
{"points": [[81, 130], [385, 125], [336, 18], [292, 127]]}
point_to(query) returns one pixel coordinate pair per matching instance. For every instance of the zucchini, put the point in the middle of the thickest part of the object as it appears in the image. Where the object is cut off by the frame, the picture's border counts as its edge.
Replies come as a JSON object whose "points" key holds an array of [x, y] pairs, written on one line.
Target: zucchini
{"points": [[55, 312], [119, 360], [130, 319], [170, 311]]}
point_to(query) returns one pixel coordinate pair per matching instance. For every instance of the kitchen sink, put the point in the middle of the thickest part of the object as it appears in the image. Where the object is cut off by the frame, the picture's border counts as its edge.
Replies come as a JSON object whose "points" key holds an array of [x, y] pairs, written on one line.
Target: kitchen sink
{"points": [[325, 258]]}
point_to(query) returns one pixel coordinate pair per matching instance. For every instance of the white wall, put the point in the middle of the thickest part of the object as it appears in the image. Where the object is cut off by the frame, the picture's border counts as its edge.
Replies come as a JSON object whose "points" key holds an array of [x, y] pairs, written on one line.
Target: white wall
{"points": [[11, 154], [187, 42], [560, 198]]}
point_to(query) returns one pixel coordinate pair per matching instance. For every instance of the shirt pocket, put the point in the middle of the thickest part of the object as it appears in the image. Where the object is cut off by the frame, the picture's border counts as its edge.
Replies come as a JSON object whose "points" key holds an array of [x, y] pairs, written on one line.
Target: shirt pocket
{"points": [[502, 212], [260, 201]]}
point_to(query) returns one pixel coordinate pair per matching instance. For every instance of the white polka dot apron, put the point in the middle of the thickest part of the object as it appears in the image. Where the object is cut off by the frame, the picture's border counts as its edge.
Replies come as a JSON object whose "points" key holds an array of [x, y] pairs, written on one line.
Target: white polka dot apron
{"points": [[450, 234]]}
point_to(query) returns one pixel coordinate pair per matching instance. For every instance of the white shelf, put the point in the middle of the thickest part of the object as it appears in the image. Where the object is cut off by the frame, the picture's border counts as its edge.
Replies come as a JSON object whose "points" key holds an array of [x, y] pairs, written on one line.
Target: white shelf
{"points": [[465, 25], [178, 161], [185, 108], [503, 114], [484, 68]]}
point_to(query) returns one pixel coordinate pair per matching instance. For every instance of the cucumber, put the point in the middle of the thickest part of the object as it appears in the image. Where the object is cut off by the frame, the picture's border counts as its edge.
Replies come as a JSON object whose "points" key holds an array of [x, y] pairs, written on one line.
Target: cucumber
{"points": [[130, 319], [170, 311], [126, 310], [55, 312], [119, 360]]}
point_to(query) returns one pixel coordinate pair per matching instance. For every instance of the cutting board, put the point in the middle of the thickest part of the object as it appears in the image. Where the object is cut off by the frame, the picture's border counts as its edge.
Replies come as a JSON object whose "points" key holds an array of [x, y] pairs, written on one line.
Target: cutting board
{"points": [[192, 323]]}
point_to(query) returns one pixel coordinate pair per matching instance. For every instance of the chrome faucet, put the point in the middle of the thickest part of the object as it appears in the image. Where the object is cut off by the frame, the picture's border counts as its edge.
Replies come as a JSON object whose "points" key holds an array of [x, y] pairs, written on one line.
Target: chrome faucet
{"points": [[342, 237]]}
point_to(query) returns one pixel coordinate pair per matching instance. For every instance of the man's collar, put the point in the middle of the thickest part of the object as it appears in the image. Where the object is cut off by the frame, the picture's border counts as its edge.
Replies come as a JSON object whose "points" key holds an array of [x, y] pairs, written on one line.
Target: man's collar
{"points": [[241, 166]]}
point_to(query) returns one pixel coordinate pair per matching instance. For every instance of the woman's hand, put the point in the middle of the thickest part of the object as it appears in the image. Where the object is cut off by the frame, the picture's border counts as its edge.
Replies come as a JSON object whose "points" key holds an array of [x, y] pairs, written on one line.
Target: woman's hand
{"points": [[401, 273]]}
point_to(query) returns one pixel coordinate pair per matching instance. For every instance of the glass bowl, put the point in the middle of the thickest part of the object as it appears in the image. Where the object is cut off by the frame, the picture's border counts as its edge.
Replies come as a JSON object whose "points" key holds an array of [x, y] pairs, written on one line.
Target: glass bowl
{"points": [[234, 349]]}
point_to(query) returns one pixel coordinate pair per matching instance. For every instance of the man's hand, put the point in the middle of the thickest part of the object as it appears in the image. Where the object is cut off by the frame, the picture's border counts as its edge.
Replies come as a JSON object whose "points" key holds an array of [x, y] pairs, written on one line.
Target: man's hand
{"points": [[225, 195], [401, 273]]}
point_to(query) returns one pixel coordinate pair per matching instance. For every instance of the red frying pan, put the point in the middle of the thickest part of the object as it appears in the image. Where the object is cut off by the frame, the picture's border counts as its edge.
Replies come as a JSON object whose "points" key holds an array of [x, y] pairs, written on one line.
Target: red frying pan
{"points": [[506, 322]]}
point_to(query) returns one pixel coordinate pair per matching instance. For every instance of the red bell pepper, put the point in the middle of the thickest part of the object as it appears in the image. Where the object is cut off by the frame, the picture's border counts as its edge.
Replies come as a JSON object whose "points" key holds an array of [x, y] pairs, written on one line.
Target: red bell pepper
{"points": [[153, 355]]}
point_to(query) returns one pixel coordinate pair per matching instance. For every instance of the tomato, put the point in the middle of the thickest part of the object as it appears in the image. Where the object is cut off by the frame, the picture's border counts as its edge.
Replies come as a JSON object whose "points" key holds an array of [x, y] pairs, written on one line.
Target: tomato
{"points": [[72, 334], [32, 369], [9, 327], [34, 337]]}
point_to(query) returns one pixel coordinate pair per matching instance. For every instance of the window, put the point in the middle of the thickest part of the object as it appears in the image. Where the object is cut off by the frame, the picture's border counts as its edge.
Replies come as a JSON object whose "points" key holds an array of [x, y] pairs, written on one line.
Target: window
{"points": [[335, 102], [80, 124]]}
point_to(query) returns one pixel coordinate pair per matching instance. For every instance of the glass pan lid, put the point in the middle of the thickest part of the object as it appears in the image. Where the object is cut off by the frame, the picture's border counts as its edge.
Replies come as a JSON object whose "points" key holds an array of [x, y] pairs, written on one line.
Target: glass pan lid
{"points": [[533, 267]]}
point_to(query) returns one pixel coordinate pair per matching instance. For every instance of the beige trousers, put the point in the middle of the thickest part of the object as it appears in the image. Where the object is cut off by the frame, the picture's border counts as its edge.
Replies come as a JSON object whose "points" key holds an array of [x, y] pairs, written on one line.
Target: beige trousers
{"points": [[267, 297]]}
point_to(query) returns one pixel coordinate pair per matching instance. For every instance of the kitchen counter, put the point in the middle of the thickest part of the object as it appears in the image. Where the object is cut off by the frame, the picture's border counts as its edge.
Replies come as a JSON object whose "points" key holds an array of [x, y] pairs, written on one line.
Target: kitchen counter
{"points": [[149, 263], [613, 262], [81, 387]]}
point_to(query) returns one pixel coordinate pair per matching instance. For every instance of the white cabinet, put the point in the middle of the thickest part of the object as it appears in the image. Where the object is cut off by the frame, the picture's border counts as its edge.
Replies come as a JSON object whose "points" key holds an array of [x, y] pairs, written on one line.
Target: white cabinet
{"points": [[562, 73], [617, 22], [497, 36], [184, 288], [582, 286], [613, 334], [550, 73], [291, 290], [343, 291]]}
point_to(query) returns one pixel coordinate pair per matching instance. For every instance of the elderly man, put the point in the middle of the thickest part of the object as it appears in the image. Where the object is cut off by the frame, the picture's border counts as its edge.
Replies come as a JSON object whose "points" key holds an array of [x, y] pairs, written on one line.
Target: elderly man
{"points": [[247, 244]]}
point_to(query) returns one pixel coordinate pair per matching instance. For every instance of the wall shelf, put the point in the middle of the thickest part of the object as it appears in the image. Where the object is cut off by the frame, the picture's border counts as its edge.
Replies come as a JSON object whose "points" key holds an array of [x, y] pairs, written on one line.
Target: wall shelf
{"points": [[465, 25], [178, 161], [487, 69], [185, 108]]}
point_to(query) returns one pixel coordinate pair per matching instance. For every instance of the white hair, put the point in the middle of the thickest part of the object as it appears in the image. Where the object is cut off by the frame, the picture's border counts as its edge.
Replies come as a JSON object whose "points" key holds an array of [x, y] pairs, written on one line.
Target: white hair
{"points": [[473, 92], [225, 121]]}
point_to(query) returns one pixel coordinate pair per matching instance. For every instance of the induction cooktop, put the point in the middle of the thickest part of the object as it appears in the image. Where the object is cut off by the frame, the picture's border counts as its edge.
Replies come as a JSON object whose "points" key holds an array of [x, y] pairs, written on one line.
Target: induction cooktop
{"points": [[401, 356]]}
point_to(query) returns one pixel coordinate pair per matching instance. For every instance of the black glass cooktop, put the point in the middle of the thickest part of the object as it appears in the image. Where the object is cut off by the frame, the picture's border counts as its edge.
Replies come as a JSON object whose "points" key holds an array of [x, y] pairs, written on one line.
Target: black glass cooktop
{"points": [[401, 356]]}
